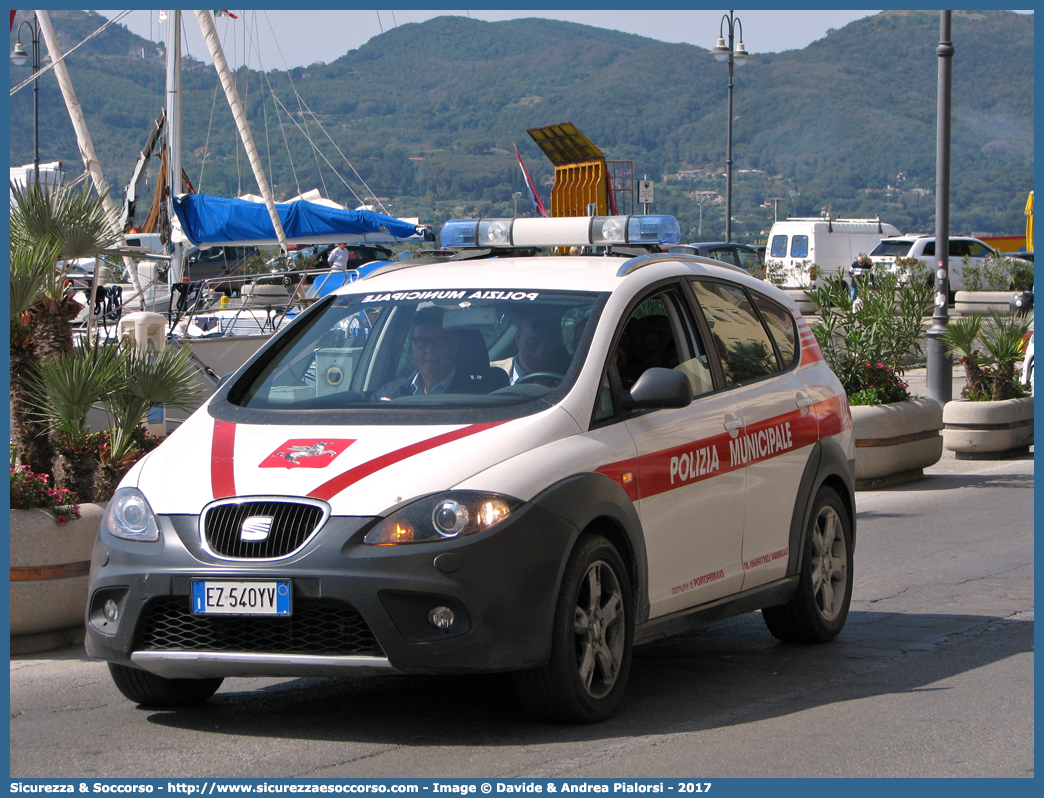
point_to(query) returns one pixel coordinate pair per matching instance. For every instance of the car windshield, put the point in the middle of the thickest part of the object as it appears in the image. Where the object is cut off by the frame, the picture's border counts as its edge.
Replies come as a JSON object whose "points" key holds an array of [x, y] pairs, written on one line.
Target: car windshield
{"points": [[892, 249], [424, 349]]}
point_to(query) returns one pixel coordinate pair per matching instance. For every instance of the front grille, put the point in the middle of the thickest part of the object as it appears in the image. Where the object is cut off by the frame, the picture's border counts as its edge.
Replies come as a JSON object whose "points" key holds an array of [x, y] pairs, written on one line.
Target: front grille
{"points": [[317, 626], [288, 525]]}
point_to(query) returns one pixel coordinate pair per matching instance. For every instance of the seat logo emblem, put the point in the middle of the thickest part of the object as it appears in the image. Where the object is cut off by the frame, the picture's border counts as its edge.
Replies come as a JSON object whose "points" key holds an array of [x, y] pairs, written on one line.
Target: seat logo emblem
{"points": [[256, 528]]}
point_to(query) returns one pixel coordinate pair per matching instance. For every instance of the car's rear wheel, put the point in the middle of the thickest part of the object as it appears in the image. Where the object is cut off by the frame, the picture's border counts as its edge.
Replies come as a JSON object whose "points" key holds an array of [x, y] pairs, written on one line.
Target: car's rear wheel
{"points": [[151, 690], [818, 609], [591, 641]]}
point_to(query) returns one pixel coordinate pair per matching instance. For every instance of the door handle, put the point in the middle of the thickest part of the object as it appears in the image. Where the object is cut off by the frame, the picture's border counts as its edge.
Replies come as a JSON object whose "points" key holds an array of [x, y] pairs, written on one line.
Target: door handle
{"points": [[732, 424], [803, 401]]}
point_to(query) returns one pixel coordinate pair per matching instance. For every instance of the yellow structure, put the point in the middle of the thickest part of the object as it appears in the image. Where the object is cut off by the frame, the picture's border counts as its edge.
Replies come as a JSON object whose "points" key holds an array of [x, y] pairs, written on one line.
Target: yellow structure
{"points": [[1029, 223], [581, 175]]}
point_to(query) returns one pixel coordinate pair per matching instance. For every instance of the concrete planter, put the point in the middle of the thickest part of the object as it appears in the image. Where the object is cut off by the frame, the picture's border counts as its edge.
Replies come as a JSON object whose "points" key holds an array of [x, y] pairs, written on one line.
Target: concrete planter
{"points": [[968, 302], [49, 572], [988, 430], [896, 442]]}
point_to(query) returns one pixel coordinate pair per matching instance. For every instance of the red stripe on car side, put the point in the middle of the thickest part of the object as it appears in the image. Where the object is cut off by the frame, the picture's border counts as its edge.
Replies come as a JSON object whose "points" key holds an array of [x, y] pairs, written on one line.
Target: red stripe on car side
{"points": [[835, 416], [679, 466], [334, 486], [222, 451]]}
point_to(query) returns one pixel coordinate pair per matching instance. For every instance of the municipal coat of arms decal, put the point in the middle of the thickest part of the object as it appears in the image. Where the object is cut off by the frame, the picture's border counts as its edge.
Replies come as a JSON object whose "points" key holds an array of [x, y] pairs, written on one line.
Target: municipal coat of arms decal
{"points": [[300, 453]]}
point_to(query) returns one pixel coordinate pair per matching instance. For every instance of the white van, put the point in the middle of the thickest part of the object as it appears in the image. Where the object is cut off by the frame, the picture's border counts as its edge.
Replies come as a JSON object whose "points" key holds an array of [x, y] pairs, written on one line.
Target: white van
{"points": [[831, 244]]}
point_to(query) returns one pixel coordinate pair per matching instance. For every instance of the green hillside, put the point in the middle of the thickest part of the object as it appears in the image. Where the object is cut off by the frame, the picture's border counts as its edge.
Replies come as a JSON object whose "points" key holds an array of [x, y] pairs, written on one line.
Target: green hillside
{"points": [[845, 125]]}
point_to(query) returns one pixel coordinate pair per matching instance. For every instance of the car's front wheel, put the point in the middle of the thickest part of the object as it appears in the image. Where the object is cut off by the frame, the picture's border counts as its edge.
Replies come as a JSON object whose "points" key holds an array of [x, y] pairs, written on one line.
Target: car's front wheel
{"points": [[591, 641], [151, 690], [818, 609]]}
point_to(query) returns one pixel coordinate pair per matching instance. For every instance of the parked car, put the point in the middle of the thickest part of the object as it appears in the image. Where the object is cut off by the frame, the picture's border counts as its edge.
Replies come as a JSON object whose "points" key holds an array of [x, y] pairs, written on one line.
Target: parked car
{"points": [[318, 255], [734, 254], [206, 264], [963, 249], [492, 463]]}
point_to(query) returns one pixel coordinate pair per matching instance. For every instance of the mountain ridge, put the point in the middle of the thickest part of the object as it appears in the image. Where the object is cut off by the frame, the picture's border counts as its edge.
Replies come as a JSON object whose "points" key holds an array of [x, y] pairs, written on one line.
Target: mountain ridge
{"points": [[845, 125]]}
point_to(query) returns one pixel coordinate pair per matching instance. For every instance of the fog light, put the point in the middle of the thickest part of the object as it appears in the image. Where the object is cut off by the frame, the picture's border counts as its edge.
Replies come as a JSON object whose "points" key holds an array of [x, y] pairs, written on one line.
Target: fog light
{"points": [[441, 618], [111, 611]]}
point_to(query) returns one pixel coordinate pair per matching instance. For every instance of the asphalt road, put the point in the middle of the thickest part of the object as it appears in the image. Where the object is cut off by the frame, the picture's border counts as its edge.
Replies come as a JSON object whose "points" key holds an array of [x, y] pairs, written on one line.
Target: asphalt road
{"points": [[932, 676]]}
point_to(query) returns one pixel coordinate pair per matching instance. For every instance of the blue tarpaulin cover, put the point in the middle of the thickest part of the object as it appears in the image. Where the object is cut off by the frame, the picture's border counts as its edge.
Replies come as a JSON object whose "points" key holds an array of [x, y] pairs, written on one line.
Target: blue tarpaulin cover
{"points": [[219, 221]]}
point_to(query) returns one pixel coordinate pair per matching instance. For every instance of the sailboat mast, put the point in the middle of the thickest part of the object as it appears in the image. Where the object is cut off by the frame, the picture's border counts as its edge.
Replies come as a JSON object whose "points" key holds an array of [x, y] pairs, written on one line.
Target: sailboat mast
{"points": [[206, 24], [83, 138], [174, 135]]}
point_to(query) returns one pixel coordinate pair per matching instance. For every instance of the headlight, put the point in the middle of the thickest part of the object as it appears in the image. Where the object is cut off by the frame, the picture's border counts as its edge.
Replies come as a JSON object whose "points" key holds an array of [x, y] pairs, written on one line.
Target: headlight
{"points": [[130, 517], [447, 515]]}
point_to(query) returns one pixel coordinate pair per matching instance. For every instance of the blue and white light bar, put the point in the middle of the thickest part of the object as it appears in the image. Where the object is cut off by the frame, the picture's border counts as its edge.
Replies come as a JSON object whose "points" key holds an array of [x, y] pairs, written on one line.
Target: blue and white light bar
{"points": [[560, 231]]}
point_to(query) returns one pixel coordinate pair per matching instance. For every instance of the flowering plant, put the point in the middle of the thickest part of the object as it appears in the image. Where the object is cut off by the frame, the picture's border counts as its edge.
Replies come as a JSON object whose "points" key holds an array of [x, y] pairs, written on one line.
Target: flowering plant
{"points": [[875, 384], [30, 491]]}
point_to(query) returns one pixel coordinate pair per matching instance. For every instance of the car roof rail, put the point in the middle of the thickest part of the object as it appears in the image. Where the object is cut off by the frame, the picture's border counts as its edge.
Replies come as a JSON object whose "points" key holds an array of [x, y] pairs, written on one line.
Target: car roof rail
{"points": [[641, 261]]}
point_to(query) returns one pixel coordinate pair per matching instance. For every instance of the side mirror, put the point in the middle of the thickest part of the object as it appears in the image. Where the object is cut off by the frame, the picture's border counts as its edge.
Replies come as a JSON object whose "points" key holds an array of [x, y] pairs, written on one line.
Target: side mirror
{"points": [[658, 388]]}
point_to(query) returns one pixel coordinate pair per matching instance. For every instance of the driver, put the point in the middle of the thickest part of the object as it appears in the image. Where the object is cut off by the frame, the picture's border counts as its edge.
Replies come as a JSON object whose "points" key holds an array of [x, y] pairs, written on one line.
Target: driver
{"points": [[434, 351], [539, 342]]}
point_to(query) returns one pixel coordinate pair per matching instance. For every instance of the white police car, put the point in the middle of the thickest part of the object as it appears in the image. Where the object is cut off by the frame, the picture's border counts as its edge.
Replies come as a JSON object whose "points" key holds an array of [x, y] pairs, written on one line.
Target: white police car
{"points": [[491, 462]]}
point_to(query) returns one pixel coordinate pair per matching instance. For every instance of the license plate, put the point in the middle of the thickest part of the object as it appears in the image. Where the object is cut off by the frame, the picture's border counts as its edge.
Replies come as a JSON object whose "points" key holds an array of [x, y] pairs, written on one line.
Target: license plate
{"points": [[223, 597]]}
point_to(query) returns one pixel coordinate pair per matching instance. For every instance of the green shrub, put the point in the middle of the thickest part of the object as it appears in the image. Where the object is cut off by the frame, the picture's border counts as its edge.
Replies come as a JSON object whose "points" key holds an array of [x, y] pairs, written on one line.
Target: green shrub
{"points": [[998, 273], [866, 342]]}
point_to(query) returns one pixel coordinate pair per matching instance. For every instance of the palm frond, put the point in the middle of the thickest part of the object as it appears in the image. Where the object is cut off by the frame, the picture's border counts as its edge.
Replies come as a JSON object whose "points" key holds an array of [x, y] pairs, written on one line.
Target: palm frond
{"points": [[66, 386], [1002, 337], [32, 274], [148, 380], [75, 217], [961, 335]]}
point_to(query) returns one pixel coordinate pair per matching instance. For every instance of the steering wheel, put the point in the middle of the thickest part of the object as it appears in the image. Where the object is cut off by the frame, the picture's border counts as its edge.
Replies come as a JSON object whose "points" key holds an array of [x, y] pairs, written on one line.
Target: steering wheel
{"points": [[540, 377]]}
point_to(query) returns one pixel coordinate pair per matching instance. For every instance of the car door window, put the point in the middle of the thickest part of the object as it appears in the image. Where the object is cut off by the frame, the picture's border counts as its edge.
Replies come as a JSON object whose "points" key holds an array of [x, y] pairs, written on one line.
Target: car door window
{"points": [[747, 260], [743, 345], [799, 247], [725, 256], [958, 249], [657, 334], [977, 250], [779, 247]]}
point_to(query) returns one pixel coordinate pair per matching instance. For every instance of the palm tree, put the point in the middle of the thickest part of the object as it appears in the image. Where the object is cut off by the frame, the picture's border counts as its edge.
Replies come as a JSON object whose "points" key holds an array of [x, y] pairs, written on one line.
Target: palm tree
{"points": [[48, 223], [63, 390], [961, 336], [1003, 339], [127, 383]]}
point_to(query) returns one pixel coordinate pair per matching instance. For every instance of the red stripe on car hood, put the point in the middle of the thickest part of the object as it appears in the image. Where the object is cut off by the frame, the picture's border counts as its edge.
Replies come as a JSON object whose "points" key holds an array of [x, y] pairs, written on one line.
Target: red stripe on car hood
{"points": [[222, 449], [334, 486]]}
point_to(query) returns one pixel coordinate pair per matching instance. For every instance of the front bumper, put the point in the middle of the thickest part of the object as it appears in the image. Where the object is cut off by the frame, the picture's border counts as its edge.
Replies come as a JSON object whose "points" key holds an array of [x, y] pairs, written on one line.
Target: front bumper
{"points": [[355, 607]]}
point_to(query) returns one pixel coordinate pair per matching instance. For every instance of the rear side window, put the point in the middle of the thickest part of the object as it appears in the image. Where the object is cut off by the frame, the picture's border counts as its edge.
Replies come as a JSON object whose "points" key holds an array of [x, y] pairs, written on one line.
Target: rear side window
{"points": [[779, 247], [799, 247], [781, 327], [892, 249], [743, 344]]}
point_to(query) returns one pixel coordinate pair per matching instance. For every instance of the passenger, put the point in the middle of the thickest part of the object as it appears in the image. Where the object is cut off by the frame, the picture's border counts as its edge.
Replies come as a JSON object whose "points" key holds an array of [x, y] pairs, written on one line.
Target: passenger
{"points": [[434, 351], [540, 349]]}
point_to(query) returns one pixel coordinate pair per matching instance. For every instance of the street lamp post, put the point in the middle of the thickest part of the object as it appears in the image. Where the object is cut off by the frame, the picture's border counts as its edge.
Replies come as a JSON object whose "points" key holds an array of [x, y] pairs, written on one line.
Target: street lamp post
{"points": [[18, 58], [733, 53]]}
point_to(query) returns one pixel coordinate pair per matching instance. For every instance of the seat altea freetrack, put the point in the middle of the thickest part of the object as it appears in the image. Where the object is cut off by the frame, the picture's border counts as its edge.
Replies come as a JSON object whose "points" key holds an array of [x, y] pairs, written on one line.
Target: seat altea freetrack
{"points": [[398, 483]]}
